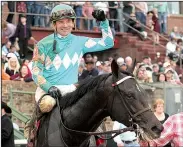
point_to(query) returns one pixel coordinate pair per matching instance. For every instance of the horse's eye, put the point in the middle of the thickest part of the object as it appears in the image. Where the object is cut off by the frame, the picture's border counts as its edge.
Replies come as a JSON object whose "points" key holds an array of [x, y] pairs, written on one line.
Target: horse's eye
{"points": [[130, 96]]}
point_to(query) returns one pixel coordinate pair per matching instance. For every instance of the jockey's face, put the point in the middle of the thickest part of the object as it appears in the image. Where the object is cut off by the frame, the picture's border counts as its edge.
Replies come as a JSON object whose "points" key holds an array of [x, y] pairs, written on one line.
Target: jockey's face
{"points": [[64, 26]]}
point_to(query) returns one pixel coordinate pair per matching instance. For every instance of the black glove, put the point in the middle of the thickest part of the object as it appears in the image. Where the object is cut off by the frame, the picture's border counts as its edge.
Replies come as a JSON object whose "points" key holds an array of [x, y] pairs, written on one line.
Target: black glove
{"points": [[99, 15], [54, 92]]}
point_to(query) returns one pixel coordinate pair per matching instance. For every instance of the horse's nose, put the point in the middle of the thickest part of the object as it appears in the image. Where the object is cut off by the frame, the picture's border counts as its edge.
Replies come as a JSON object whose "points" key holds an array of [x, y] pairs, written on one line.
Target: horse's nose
{"points": [[157, 129]]}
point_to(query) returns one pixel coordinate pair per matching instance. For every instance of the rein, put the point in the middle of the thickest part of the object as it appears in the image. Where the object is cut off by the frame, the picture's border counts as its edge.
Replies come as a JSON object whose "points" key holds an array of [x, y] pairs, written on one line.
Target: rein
{"points": [[116, 132]]}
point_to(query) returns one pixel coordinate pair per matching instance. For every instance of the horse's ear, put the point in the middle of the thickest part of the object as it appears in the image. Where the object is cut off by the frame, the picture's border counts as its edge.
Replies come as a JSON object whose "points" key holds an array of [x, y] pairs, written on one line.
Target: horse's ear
{"points": [[114, 68], [131, 69]]}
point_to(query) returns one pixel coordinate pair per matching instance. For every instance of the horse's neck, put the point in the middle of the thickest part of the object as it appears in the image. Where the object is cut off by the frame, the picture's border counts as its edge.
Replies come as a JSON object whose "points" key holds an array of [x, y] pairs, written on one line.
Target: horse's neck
{"points": [[87, 113]]}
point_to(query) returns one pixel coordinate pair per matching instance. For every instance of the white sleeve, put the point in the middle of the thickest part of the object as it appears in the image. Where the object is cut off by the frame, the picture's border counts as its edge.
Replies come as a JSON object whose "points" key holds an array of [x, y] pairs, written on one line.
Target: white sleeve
{"points": [[116, 126]]}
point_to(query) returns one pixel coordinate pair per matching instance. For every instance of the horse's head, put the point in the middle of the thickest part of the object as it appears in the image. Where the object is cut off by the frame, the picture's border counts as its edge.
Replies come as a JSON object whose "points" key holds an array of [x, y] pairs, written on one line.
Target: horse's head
{"points": [[130, 102]]}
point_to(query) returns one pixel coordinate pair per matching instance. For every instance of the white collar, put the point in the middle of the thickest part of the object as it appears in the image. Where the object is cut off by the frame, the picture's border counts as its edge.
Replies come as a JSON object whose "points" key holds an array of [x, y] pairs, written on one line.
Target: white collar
{"points": [[60, 36]]}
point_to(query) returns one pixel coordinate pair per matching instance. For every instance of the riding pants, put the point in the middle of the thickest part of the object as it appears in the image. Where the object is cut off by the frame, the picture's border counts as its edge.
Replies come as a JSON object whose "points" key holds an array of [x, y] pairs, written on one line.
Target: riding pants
{"points": [[47, 102]]}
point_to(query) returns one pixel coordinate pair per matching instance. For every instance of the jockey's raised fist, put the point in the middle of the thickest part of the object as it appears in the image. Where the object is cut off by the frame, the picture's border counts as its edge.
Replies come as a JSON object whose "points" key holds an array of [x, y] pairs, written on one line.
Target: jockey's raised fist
{"points": [[54, 92], [99, 15]]}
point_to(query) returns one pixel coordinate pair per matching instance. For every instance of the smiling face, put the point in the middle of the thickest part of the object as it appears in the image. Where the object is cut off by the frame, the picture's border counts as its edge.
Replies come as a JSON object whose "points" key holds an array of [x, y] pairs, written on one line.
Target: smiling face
{"points": [[13, 62], [64, 26]]}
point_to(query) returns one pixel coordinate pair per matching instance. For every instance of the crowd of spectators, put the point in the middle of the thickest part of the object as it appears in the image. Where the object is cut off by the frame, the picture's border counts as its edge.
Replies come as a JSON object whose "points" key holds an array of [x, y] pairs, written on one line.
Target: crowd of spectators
{"points": [[135, 14], [145, 71], [13, 67]]}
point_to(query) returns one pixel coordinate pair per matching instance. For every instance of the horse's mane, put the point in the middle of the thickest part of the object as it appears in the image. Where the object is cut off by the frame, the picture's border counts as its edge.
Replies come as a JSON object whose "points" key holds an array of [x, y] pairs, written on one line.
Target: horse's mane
{"points": [[84, 86]]}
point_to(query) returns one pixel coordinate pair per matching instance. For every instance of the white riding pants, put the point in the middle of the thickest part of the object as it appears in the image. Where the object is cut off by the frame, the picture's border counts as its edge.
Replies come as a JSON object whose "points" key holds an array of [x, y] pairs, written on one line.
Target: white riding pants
{"points": [[64, 89]]}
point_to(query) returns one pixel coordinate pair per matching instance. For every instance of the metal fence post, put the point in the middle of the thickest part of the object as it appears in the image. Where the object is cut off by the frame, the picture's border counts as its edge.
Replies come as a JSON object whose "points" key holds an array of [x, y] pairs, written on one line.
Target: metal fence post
{"points": [[164, 93]]}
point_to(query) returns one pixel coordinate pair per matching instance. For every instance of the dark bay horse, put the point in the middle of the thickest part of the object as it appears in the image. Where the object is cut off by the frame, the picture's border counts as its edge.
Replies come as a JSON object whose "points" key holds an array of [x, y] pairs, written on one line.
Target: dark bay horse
{"points": [[117, 95]]}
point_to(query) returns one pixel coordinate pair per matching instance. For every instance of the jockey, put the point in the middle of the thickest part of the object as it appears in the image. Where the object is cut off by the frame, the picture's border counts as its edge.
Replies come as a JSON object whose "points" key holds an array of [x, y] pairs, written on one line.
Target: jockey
{"points": [[56, 57]]}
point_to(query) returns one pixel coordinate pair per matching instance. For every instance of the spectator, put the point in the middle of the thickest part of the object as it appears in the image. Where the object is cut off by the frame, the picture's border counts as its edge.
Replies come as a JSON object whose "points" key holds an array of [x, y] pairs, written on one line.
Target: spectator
{"points": [[169, 76], [161, 69], [39, 21], [110, 59], [175, 33], [132, 22], [148, 75], [106, 67], [11, 7], [113, 14], [128, 9], [155, 73], [88, 57], [21, 8], [30, 9], [123, 67], [136, 68], [171, 46], [126, 139], [25, 62], [87, 13], [158, 107], [160, 114], [6, 48], [156, 26], [47, 10], [120, 61], [172, 132], [80, 69], [99, 67], [141, 75], [24, 74], [8, 31], [13, 50], [161, 77], [78, 9], [89, 72], [4, 75], [140, 11], [129, 61], [179, 47], [7, 135], [162, 15], [167, 66], [145, 60], [149, 21], [12, 67], [23, 34]]}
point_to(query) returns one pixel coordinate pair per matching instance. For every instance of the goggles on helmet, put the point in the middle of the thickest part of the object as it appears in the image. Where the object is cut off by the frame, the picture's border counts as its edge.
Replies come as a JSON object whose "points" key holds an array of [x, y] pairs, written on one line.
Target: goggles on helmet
{"points": [[62, 14]]}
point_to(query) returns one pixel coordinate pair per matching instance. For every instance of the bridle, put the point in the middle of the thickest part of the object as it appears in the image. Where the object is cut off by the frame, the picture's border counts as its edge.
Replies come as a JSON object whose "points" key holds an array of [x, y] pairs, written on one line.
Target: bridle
{"points": [[115, 132], [133, 116]]}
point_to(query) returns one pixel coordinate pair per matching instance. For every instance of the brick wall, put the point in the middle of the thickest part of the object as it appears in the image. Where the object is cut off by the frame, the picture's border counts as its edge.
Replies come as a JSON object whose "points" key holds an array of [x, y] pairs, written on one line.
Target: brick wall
{"points": [[175, 20], [22, 102]]}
